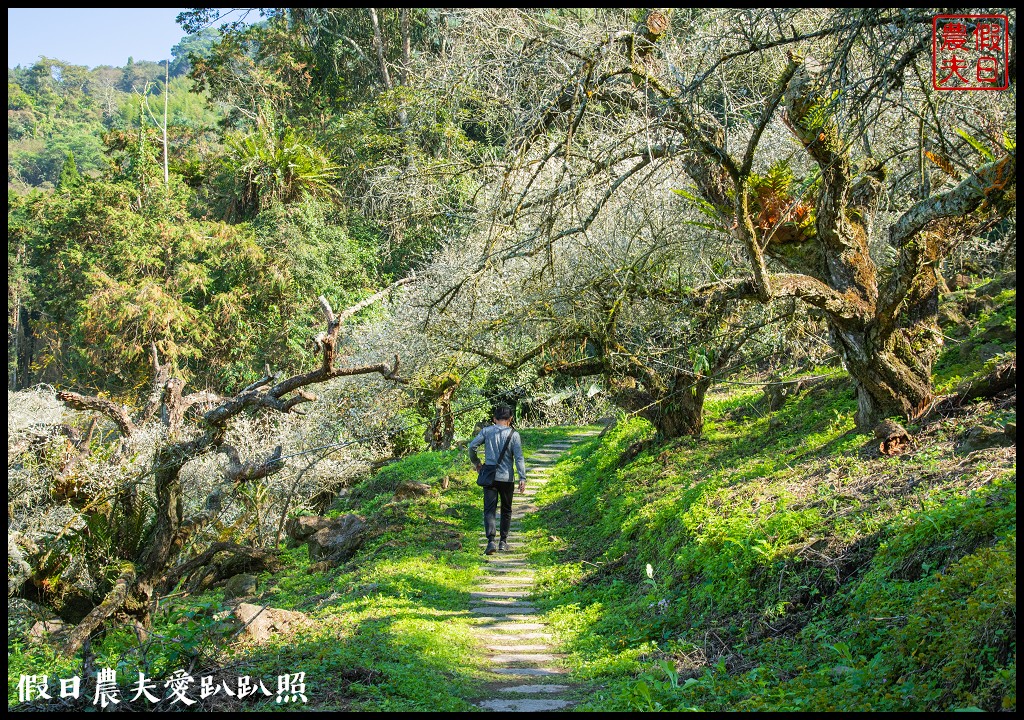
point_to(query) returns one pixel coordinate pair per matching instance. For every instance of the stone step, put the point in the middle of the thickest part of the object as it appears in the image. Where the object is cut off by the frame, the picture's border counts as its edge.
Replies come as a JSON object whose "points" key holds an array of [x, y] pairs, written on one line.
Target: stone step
{"points": [[513, 546], [524, 704], [507, 560], [496, 561], [499, 594], [505, 578], [516, 616], [531, 672], [506, 557], [513, 627], [524, 658], [507, 602], [517, 561], [519, 649], [515, 635], [511, 610], [541, 689], [496, 539], [500, 583]]}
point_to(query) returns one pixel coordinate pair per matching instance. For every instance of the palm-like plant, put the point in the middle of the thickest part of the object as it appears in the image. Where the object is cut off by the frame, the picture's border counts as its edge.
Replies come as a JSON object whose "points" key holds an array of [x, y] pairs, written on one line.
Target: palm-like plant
{"points": [[271, 165]]}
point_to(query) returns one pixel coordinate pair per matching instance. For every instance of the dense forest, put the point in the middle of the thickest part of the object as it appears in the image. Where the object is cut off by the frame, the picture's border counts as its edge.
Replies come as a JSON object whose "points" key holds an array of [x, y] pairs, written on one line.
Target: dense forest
{"points": [[746, 279]]}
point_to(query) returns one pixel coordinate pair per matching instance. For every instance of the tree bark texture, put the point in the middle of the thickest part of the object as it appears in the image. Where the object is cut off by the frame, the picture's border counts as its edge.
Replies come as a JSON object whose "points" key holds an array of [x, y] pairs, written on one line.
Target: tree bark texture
{"points": [[133, 593]]}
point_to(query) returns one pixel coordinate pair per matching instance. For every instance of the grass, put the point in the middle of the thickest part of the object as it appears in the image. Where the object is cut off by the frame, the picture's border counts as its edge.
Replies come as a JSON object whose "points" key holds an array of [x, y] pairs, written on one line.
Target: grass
{"points": [[391, 627], [790, 566], [777, 563]]}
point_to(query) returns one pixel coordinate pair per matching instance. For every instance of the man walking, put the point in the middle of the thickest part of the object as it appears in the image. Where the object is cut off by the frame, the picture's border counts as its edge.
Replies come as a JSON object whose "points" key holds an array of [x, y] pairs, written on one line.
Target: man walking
{"points": [[493, 438]]}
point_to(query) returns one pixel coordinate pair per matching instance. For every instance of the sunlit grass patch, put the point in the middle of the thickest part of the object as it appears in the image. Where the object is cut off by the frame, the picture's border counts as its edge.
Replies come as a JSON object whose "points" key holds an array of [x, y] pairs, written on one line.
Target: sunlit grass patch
{"points": [[758, 544]]}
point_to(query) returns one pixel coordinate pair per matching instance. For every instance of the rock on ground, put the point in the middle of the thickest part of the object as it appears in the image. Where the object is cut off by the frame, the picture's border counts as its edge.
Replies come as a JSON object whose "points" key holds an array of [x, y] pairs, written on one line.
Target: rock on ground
{"points": [[260, 624], [338, 541], [24, 614], [300, 528], [241, 585], [982, 437], [410, 489], [45, 629]]}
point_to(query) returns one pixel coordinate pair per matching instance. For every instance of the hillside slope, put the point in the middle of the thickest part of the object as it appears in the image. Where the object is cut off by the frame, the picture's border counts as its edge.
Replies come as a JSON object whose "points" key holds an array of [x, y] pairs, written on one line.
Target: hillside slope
{"points": [[779, 562], [783, 562]]}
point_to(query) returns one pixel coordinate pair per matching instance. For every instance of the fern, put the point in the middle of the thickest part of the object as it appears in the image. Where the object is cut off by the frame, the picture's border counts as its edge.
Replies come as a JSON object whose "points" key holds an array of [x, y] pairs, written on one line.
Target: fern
{"points": [[700, 203], [776, 181], [819, 114], [976, 144], [945, 165], [110, 538]]}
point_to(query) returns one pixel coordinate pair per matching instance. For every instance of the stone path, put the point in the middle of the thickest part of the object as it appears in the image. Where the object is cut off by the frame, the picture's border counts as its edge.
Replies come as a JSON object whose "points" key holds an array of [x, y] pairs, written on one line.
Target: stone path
{"points": [[528, 674]]}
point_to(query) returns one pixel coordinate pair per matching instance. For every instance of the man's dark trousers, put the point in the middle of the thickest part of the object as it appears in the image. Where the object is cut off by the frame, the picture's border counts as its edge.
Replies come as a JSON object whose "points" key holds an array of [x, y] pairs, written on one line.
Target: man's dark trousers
{"points": [[491, 495]]}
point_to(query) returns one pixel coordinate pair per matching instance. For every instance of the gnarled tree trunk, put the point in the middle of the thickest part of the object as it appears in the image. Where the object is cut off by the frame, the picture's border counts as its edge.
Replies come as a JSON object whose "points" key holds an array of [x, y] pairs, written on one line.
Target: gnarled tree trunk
{"points": [[682, 413], [146, 573], [883, 324], [441, 429]]}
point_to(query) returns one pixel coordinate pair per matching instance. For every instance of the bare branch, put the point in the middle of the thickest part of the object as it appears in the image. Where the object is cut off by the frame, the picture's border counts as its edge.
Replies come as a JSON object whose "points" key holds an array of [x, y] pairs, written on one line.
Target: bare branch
{"points": [[239, 472], [374, 298], [113, 602], [269, 377], [117, 413], [256, 395], [582, 368], [804, 287], [510, 364], [766, 115], [328, 313], [987, 184]]}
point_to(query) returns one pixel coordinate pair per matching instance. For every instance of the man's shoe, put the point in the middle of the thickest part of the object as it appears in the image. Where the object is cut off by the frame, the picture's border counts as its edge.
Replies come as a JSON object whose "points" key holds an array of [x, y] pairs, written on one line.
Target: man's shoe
{"points": [[490, 548], [502, 546]]}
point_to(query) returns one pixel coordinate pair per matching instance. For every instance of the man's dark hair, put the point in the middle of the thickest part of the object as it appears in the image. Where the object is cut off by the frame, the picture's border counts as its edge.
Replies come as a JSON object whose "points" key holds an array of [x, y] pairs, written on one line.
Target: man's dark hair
{"points": [[503, 412]]}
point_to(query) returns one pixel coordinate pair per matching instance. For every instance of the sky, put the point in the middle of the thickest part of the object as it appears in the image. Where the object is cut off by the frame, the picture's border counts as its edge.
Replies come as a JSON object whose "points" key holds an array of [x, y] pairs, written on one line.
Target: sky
{"points": [[91, 36]]}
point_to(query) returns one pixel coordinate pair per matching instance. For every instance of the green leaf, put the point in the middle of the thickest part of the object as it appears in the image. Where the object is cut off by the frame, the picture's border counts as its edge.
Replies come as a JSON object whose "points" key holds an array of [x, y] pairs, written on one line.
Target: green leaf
{"points": [[703, 205], [976, 144]]}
